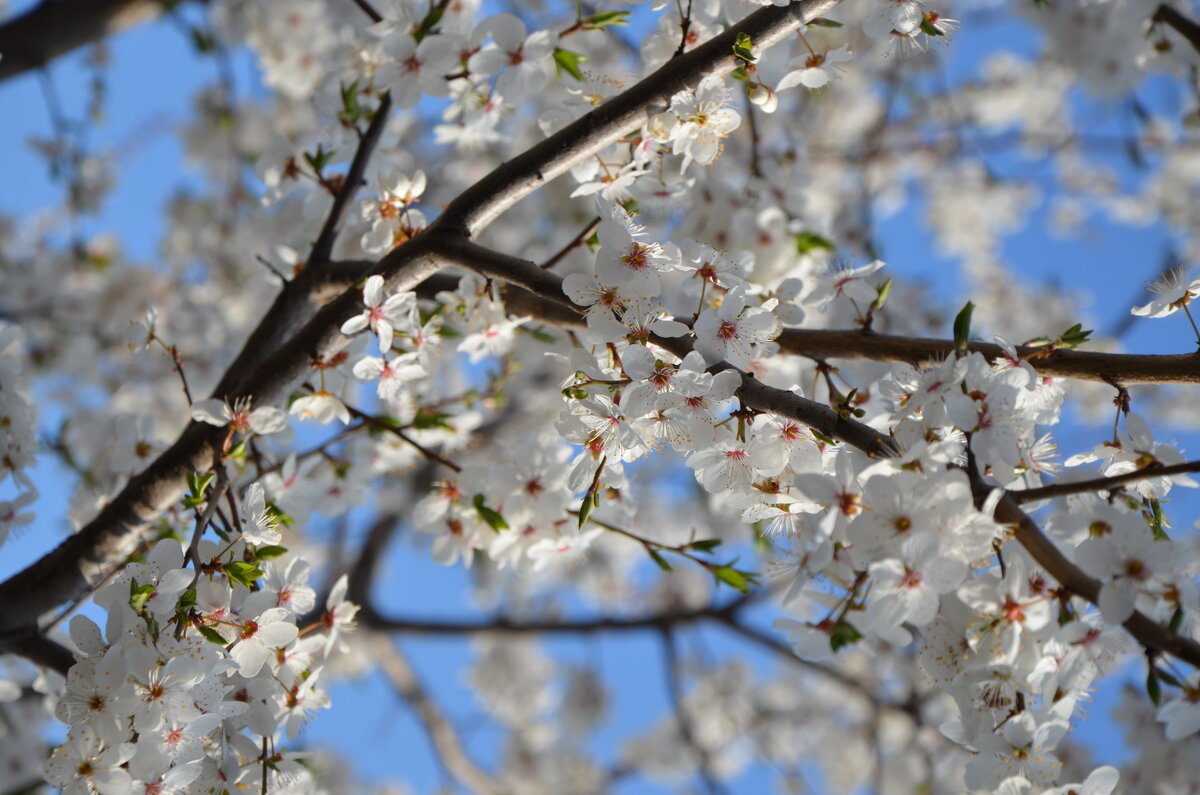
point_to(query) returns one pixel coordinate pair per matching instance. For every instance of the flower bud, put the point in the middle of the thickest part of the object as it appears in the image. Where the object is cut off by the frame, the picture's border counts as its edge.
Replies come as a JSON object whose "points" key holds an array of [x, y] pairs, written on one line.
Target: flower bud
{"points": [[762, 96]]}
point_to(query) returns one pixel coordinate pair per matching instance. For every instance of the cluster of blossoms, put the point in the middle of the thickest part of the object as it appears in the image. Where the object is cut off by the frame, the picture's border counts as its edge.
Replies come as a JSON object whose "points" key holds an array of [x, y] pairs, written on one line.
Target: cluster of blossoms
{"points": [[200, 670], [193, 665], [17, 423]]}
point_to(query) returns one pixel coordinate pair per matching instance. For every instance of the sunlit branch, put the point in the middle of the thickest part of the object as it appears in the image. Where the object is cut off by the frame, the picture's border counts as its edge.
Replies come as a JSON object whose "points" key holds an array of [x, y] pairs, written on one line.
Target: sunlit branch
{"points": [[480, 204], [1105, 483], [1124, 368], [323, 247], [761, 397]]}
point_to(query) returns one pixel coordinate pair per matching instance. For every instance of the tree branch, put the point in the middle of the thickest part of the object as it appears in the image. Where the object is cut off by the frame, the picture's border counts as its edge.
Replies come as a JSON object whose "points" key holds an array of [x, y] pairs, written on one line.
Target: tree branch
{"points": [[323, 248], [761, 397], [480, 204], [441, 731], [1181, 24], [30, 643], [55, 27], [1105, 483], [1123, 368]]}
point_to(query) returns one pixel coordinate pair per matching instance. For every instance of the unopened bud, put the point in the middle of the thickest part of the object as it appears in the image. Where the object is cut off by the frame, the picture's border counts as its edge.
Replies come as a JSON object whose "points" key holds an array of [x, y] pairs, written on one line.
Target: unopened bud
{"points": [[762, 96]]}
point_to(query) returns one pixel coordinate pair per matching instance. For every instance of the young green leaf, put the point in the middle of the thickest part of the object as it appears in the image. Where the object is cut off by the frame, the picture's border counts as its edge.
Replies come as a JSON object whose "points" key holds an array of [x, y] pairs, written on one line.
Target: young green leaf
{"points": [[569, 61], [211, 635], [491, 517], [811, 241], [844, 634], [962, 327], [243, 572], [605, 19], [270, 552]]}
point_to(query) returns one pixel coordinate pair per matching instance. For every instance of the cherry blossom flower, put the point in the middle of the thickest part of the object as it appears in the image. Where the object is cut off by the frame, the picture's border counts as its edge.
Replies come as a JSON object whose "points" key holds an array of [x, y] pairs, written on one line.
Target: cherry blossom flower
{"points": [[384, 316], [258, 525], [256, 637], [391, 216], [816, 69], [730, 332], [322, 407], [527, 61], [698, 121], [242, 419], [391, 373], [1175, 292]]}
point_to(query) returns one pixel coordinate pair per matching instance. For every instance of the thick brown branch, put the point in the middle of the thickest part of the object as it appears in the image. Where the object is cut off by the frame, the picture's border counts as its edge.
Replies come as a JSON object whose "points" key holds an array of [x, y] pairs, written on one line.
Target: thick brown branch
{"points": [[31, 644], [480, 204], [55, 27]]}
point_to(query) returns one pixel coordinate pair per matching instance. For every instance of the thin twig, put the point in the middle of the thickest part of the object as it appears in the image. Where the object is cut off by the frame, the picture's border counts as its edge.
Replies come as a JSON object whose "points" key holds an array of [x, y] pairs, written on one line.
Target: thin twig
{"points": [[573, 244], [378, 424], [1105, 483], [441, 732], [323, 248], [675, 691]]}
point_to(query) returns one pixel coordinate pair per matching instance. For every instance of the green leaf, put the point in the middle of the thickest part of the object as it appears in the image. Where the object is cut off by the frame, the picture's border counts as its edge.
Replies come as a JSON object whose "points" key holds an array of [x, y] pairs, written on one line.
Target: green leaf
{"points": [[1158, 521], [243, 572], [1153, 688], [319, 159], [351, 111], [657, 557], [238, 451], [139, 595], [1074, 336], [270, 552], [962, 326], [822, 438], [881, 294], [605, 19], [186, 599], [1176, 621], [739, 579], [492, 518], [585, 508], [706, 544], [427, 419], [929, 29], [844, 634], [740, 73], [1169, 678], [568, 61], [198, 484], [427, 24], [743, 48], [811, 241], [212, 635], [822, 22]]}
